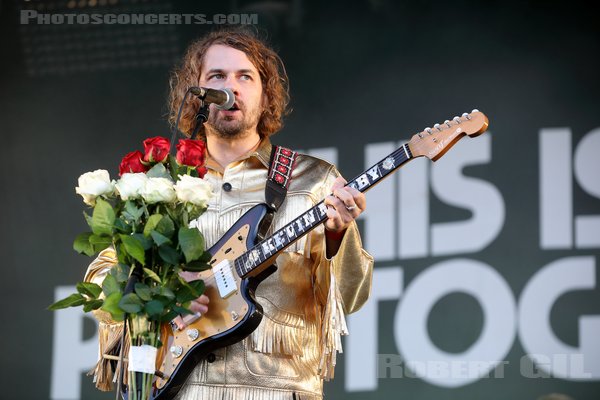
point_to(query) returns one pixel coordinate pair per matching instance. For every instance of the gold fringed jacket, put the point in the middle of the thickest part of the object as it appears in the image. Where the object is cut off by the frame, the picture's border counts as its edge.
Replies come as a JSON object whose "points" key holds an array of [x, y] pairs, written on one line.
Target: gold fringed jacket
{"points": [[304, 301]]}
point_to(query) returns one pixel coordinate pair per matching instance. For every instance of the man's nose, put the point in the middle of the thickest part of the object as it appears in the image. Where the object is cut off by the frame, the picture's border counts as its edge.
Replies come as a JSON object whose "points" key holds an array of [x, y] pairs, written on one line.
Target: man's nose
{"points": [[232, 83]]}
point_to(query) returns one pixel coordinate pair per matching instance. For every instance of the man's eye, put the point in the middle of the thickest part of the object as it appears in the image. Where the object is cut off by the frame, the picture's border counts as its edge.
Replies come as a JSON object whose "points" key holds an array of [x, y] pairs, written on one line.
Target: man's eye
{"points": [[246, 77], [216, 76]]}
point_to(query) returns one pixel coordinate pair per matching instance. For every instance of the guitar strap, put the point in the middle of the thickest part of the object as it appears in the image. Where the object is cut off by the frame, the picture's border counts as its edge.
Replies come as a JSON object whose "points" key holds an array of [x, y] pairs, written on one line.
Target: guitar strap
{"points": [[282, 164]]}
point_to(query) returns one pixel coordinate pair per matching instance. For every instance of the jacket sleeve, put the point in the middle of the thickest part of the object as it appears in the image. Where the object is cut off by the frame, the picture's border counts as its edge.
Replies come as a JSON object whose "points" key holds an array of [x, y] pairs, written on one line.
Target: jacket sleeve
{"points": [[342, 283], [109, 331], [351, 266]]}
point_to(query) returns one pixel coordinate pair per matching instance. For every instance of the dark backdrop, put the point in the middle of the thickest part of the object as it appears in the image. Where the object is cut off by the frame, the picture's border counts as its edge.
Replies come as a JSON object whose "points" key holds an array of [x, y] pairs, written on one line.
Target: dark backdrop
{"points": [[74, 98]]}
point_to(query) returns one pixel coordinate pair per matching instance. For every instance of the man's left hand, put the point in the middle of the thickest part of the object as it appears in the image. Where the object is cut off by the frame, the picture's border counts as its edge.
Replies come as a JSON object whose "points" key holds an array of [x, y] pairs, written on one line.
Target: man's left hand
{"points": [[344, 205]]}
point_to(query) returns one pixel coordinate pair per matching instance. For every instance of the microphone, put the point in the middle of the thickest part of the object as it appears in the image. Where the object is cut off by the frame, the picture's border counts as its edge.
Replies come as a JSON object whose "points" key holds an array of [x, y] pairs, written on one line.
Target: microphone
{"points": [[222, 98]]}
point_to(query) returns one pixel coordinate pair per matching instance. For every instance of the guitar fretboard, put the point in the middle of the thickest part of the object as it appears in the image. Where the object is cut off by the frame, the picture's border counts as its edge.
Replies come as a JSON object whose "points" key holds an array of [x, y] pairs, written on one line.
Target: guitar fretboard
{"points": [[307, 221]]}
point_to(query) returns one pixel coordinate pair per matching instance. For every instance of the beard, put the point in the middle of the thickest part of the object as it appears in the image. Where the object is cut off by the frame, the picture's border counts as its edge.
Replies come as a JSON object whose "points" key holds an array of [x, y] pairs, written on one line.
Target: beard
{"points": [[230, 126]]}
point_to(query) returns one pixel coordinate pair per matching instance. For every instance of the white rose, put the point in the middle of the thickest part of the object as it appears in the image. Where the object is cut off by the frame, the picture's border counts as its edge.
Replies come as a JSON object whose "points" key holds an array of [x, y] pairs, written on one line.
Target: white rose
{"points": [[130, 186], [158, 190], [94, 184], [193, 190]]}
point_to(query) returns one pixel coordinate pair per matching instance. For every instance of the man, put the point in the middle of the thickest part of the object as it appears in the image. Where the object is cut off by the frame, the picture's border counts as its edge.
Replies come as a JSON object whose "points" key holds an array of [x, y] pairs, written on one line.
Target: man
{"points": [[321, 276]]}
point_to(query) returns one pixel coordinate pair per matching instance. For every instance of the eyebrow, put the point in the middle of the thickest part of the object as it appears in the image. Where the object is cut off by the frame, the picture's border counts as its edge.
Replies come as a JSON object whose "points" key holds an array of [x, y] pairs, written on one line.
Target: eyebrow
{"points": [[222, 71]]}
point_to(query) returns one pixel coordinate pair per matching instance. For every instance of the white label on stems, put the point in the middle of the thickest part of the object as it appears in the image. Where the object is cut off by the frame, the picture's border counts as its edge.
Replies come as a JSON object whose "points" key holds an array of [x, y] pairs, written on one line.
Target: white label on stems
{"points": [[142, 359]]}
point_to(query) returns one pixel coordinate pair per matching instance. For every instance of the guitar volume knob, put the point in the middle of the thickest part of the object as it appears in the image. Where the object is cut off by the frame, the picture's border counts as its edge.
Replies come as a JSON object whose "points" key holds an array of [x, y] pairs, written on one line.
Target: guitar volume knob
{"points": [[176, 351], [192, 334]]}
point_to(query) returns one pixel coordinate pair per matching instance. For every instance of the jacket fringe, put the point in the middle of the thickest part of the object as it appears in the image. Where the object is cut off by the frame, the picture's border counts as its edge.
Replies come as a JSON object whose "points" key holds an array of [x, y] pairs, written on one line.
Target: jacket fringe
{"points": [[107, 369], [208, 392], [279, 334], [333, 327]]}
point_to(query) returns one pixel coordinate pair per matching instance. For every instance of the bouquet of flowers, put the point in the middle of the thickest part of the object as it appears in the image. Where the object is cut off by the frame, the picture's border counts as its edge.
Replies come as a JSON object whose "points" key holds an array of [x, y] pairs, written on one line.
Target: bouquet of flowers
{"points": [[145, 216]]}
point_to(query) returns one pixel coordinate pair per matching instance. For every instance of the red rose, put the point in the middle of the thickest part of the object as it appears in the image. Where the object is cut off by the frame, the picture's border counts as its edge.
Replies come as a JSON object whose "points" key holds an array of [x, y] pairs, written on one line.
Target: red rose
{"points": [[132, 162], [191, 153], [201, 171], [156, 149]]}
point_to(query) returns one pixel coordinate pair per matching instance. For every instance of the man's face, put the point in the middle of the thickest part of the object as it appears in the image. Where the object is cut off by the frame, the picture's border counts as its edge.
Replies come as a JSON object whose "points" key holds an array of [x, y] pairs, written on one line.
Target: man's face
{"points": [[226, 67]]}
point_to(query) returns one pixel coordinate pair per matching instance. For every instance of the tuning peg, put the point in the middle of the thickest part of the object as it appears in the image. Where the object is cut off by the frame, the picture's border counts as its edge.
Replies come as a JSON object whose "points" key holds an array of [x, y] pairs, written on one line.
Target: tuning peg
{"points": [[437, 126], [475, 110], [428, 130], [456, 119], [447, 123], [467, 116]]}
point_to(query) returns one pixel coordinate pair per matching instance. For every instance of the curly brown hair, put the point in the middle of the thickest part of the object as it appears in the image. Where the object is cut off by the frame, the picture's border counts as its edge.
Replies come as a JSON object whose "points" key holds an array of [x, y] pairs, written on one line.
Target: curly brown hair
{"points": [[269, 65]]}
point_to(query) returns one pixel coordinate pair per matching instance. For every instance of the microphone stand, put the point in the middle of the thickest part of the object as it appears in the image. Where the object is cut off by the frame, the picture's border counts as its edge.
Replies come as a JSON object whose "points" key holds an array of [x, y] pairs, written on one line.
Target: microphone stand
{"points": [[201, 118]]}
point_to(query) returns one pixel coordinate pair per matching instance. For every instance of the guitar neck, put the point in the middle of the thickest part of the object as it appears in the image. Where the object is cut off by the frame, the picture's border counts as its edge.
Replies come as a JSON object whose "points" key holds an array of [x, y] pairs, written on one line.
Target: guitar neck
{"points": [[284, 237]]}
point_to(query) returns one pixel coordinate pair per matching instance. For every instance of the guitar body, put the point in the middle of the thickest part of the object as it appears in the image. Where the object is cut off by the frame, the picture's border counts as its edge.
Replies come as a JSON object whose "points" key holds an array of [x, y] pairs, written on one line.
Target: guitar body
{"points": [[228, 320]]}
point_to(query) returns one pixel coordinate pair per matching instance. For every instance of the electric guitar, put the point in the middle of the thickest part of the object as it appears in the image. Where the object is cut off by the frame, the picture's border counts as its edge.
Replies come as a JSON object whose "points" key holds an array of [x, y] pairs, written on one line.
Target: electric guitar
{"points": [[240, 262]]}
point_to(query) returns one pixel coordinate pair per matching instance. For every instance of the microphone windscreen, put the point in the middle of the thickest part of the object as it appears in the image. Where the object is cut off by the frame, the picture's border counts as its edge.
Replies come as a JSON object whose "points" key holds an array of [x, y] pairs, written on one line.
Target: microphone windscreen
{"points": [[229, 102]]}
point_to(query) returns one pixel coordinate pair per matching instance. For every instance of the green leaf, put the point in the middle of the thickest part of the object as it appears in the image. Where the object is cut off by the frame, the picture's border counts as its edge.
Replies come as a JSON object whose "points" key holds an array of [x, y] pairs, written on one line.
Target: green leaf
{"points": [[99, 243], [93, 305], [122, 226], [110, 285], [166, 227], [73, 300], [169, 316], [191, 242], [195, 266], [173, 168], [134, 248], [82, 244], [194, 173], [88, 219], [198, 286], [111, 305], [159, 239], [143, 291], [187, 292], [154, 308], [159, 171], [163, 292], [103, 218], [131, 303], [169, 255], [206, 257], [182, 310], [146, 242], [92, 290], [121, 272], [132, 212], [151, 223], [152, 275], [122, 255]]}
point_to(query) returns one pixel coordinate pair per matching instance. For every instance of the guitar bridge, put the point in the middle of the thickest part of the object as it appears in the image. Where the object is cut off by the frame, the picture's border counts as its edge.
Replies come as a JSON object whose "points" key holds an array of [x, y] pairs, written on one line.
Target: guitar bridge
{"points": [[223, 273]]}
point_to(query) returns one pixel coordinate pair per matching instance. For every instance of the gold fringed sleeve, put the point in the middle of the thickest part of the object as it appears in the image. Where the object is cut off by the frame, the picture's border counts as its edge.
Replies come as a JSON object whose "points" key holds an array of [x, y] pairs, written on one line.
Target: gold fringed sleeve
{"points": [[109, 332], [345, 283]]}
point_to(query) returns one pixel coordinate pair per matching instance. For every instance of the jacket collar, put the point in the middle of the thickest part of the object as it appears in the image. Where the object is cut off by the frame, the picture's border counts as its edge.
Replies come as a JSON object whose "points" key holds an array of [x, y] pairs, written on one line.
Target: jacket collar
{"points": [[262, 153]]}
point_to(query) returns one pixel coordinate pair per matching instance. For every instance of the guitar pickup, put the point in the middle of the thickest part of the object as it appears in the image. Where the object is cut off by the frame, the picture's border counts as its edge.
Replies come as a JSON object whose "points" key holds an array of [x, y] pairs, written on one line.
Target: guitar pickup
{"points": [[226, 283]]}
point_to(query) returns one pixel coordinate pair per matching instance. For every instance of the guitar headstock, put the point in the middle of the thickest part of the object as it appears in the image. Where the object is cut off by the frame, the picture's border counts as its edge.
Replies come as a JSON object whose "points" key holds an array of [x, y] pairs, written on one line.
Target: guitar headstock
{"points": [[435, 142]]}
